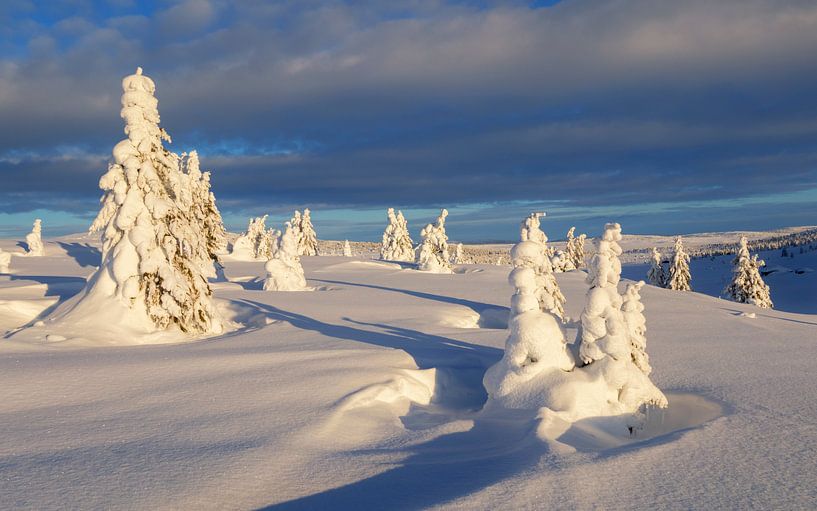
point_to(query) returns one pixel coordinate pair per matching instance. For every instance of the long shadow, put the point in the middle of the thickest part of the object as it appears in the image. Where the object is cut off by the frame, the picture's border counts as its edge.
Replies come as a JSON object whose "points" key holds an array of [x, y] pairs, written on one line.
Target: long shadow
{"points": [[447, 467], [61, 287], [427, 350], [436, 472], [83, 253], [477, 307]]}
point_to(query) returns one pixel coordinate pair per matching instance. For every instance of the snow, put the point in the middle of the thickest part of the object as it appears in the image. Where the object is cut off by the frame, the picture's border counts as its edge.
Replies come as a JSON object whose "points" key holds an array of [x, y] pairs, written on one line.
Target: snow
{"points": [[366, 396]]}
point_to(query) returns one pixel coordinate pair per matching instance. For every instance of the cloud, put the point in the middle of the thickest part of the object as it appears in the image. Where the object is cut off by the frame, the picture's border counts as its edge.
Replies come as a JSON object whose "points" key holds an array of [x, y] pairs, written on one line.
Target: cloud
{"points": [[363, 104]]}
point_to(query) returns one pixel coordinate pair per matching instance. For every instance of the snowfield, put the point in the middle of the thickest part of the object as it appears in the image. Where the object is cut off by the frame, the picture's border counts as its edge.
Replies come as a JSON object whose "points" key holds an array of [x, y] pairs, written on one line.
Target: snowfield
{"points": [[365, 392]]}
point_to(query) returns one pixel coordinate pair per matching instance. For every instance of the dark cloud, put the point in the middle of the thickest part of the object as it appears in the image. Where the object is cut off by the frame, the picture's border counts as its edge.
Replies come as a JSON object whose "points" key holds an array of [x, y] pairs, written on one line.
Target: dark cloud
{"points": [[421, 103]]}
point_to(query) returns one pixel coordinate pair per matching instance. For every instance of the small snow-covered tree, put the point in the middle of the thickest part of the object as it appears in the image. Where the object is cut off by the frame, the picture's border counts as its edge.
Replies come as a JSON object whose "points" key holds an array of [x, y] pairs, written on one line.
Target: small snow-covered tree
{"points": [[433, 253], [150, 276], [5, 261], [679, 277], [578, 251], [633, 311], [747, 285], [656, 274], [284, 270], [347, 249], [397, 243], [308, 241], [34, 240], [295, 223], [570, 247], [459, 256]]}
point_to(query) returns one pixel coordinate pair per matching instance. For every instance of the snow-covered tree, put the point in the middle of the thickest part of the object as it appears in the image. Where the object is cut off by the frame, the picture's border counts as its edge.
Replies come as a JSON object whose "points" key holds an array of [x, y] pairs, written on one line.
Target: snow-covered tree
{"points": [[433, 253], [150, 277], [459, 255], [256, 243], [34, 240], [602, 331], [523, 254], [578, 251], [747, 285], [397, 243], [205, 209], [656, 274], [5, 261], [295, 223], [536, 342], [284, 270], [679, 277], [308, 240], [633, 311], [347, 249], [573, 256]]}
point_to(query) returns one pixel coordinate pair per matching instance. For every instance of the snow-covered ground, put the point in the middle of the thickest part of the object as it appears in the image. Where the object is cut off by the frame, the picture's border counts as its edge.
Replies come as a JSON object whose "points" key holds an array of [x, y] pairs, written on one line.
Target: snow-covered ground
{"points": [[366, 393]]}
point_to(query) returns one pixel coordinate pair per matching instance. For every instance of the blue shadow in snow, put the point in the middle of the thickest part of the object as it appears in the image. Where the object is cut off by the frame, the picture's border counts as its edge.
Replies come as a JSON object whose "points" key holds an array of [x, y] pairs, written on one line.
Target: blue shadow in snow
{"points": [[83, 253]]}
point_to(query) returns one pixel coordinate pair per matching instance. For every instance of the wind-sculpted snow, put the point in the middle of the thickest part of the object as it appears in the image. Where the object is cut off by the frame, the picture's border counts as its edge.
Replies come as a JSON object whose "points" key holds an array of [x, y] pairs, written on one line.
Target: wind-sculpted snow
{"points": [[364, 397]]}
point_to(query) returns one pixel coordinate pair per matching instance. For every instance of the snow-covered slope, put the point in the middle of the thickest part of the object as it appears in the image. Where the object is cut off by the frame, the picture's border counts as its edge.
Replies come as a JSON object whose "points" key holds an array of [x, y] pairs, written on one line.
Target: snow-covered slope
{"points": [[366, 394]]}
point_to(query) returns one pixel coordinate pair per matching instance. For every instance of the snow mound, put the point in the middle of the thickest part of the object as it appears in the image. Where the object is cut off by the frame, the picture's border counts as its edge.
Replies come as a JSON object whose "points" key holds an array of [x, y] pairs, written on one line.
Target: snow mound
{"points": [[686, 411]]}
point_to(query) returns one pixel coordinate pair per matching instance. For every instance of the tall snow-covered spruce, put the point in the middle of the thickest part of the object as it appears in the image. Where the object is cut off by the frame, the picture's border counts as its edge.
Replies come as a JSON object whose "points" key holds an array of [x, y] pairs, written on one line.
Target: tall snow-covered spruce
{"points": [[34, 239], [679, 277], [204, 213], [397, 244], [574, 251], [151, 276], [656, 274], [433, 253], [747, 285]]}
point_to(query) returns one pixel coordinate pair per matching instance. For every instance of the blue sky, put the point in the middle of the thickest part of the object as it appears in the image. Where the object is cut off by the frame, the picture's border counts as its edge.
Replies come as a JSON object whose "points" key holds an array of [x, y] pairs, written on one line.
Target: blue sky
{"points": [[670, 117]]}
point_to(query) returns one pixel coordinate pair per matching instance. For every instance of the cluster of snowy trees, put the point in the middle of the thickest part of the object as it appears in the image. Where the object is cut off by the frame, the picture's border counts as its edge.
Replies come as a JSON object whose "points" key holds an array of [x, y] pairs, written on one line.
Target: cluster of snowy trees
{"points": [[284, 270], [604, 373]]}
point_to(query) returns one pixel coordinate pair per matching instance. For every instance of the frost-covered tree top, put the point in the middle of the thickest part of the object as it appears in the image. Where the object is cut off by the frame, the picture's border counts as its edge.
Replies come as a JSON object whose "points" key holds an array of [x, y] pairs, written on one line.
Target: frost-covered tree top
{"points": [[284, 270], [530, 229], [151, 251], [397, 243], [747, 285], [308, 240], [433, 254], [529, 254], [34, 240], [656, 274], [679, 277]]}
